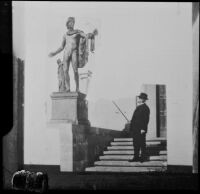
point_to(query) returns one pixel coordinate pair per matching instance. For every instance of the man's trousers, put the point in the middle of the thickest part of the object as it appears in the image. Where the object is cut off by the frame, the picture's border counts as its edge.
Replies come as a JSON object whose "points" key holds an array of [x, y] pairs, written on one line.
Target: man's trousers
{"points": [[139, 143]]}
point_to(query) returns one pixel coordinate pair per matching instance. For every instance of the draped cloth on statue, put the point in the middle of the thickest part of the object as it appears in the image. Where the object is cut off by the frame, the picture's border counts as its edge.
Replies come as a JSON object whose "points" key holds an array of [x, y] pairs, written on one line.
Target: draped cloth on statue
{"points": [[83, 47]]}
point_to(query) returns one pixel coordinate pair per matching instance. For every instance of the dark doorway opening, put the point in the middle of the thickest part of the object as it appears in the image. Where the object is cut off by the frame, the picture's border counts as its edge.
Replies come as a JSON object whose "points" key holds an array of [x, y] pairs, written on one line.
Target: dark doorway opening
{"points": [[161, 111]]}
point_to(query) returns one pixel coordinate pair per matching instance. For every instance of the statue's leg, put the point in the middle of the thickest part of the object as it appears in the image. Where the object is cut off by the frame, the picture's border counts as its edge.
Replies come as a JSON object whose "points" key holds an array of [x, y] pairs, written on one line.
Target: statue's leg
{"points": [[75, 68], [66, 63]]}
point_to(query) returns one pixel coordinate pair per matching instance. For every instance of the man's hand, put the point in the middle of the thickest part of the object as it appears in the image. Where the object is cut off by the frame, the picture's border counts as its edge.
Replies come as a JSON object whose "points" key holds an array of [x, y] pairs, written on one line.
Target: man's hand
{"points": [[143, 131]]}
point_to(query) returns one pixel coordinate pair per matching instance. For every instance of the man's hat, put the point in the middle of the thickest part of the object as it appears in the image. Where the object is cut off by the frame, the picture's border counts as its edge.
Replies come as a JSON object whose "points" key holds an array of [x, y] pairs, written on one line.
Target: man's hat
{"points": [[143, 96]]}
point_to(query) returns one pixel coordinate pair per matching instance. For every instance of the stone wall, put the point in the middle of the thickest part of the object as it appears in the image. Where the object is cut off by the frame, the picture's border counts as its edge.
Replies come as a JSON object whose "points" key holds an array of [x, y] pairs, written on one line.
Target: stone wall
{"points": [[89, 143]]}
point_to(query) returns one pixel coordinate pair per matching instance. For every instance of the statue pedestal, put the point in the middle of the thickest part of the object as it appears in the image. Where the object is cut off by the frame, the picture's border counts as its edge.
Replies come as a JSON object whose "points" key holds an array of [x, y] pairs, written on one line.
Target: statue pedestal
{"points": [[69, 111], [69, 106]]}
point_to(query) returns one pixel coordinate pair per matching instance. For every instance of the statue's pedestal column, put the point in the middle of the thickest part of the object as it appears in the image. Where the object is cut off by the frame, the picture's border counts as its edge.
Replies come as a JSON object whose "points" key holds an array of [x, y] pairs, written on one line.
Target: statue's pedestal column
{"points": [[69, 106]]}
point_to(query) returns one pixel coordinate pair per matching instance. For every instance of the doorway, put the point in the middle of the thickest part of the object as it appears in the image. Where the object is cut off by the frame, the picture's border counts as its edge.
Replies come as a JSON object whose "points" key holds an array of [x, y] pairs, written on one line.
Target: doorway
{"points": [[161, 110]]}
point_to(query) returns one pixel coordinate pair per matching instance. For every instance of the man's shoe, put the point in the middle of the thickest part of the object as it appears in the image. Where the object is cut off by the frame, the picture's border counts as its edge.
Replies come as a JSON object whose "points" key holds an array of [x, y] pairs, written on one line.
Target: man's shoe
{"points": [[134, 160]]}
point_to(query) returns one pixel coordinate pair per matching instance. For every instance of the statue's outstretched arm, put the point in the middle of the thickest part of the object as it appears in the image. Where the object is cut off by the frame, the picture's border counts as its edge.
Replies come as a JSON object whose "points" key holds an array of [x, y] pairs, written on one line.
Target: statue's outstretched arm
{"points": [[59, 49], [82, 34], [89, 35]]}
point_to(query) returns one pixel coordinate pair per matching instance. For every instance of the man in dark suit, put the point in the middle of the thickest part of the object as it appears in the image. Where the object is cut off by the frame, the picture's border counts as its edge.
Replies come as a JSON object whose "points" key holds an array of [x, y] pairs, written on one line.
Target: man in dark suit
{"points": [[138, 128]]}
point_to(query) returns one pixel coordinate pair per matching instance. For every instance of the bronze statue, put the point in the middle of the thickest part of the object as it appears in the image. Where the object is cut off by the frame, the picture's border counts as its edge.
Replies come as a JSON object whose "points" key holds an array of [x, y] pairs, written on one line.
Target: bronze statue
{"points": [[75, 46]]}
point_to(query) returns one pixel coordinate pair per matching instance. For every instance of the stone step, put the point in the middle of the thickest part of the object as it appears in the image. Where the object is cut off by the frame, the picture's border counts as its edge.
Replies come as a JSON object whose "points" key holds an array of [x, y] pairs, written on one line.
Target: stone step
{"points": [[126, 163], [158, 158], [119, 152], [131, 139], [130, 147], [131, 143], [124, 169], [123, 139], [116, 157], [163, 152], [131, 152], [120, 147], [129, 157]]}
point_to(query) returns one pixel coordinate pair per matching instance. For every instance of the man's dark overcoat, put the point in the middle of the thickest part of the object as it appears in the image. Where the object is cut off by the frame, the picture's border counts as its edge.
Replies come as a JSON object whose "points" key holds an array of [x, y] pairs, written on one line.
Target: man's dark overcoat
{"points": [[140, 119]]}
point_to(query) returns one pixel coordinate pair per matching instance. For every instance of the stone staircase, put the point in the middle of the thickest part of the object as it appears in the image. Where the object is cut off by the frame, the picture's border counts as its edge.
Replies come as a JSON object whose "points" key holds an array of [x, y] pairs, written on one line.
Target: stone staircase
{"points": [[115, 158]]}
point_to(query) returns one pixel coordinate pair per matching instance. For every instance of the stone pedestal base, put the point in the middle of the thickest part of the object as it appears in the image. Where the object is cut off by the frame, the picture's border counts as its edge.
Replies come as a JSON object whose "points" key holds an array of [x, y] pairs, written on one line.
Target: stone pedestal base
{"points": [[70, 106]]}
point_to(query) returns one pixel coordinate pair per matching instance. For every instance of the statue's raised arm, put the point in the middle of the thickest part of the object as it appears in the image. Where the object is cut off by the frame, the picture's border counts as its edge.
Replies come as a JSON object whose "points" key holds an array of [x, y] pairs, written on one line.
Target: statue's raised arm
{"points": [[89, 35], [95, 32]]}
